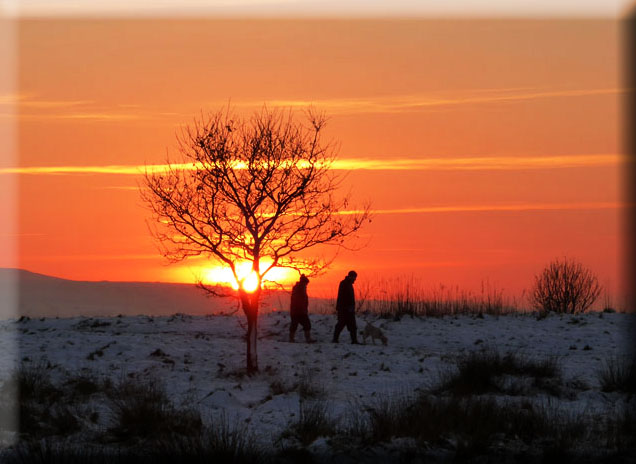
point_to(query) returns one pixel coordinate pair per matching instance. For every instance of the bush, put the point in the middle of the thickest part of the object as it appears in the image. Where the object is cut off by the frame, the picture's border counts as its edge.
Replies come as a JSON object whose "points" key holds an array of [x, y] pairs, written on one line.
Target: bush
{"points": [[564, 286]]}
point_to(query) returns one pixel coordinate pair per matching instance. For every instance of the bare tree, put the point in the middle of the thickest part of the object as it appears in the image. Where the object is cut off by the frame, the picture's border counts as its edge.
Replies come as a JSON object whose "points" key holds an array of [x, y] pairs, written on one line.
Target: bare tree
{"points": [[565, 286], [257, 190]]}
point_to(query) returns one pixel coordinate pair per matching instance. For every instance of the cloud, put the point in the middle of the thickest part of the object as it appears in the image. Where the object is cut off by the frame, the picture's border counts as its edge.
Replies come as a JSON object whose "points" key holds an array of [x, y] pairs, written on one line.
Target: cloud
{"points": [[494, 208], [111, 257], [95, 116], [30, 101], [480, 163], [35, 108], [30, 107], [136, 189], [410, 103], [491, 163], [62, 170]]}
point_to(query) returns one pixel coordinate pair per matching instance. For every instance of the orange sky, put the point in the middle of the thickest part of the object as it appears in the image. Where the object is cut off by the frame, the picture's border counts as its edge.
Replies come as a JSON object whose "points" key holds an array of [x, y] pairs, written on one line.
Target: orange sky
{"points": [[490, 147]]}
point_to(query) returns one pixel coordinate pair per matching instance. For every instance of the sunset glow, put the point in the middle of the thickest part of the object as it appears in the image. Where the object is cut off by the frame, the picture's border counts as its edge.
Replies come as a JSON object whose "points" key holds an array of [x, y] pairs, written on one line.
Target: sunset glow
{"points": [[485, 148], [222, 275]]}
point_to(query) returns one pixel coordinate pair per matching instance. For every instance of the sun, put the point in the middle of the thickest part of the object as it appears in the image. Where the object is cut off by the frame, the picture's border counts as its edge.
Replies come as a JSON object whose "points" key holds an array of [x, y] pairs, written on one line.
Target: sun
{"points": [[250, 282], [247, 277], [223, 275]]}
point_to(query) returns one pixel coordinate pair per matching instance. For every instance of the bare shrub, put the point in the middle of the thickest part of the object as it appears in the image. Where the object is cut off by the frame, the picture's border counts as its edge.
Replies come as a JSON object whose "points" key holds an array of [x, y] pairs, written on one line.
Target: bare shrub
{"points": [[565, 286]]}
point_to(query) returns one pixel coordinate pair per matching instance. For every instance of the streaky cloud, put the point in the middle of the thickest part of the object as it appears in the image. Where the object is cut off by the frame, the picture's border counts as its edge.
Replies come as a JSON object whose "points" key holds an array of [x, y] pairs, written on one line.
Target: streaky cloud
{"points": [[96, 257], [600, 205], [34, 108], [65, 170], [88, 116], [490, 163], [480, 163], [99, 116], [410, 103], [134, 170], [122, 188], [29, 101]]}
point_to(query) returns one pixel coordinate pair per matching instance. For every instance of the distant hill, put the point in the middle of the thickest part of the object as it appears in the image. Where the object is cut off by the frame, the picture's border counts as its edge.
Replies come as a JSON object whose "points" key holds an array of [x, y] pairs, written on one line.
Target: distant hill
{"points": [[37, 295]]}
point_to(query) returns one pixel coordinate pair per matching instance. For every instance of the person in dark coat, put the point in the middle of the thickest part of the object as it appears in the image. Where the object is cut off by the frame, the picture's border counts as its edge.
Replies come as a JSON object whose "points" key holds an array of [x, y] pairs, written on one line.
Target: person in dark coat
{"points": [[346, 308], [298, 310]]}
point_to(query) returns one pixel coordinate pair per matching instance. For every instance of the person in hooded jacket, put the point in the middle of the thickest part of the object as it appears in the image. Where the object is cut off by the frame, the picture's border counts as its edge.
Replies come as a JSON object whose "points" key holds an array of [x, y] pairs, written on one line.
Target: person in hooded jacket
{"points": [[298, 310], [346, 308]]}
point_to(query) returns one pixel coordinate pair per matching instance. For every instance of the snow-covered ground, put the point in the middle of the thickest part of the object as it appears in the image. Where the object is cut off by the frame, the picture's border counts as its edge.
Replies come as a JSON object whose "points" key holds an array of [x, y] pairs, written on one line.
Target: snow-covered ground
{"points": [[200, 359]]}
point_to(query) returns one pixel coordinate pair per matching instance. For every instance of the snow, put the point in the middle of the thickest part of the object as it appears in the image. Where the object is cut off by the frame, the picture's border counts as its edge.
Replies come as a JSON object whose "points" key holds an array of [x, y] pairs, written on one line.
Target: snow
{"points": [[200, 359]]}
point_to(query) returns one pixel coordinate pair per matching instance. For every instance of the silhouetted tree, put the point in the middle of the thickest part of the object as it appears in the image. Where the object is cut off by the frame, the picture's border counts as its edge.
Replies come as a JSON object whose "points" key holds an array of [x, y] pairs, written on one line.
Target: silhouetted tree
{"points": [[245, 190], [565, 286]]}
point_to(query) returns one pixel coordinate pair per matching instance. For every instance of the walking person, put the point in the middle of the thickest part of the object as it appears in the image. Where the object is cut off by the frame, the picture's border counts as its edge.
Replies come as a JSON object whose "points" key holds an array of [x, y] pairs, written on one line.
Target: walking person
{"points": [[346, 308], [298, 310]]}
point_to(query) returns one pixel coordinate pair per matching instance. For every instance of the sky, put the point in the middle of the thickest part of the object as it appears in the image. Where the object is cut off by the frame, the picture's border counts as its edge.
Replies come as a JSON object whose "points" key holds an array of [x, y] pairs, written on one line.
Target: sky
{"points": [[486, 147]]}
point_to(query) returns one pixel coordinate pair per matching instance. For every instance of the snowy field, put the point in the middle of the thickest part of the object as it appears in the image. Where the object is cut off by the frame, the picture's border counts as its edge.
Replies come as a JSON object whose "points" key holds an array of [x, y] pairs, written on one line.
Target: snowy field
{"points": [[199, 360]]}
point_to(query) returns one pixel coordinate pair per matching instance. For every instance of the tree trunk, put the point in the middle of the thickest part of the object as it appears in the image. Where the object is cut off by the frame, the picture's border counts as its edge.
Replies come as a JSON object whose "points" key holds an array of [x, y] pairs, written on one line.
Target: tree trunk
{"points": [[250, 307], [252, 354]]}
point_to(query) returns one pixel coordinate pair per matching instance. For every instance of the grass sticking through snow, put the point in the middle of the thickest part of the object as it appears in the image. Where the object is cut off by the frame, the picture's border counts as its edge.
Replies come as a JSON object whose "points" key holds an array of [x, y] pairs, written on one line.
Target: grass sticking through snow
{"points": [[313, 421], [488, 371], [618, 375], [472, 426], [142, 409]]}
